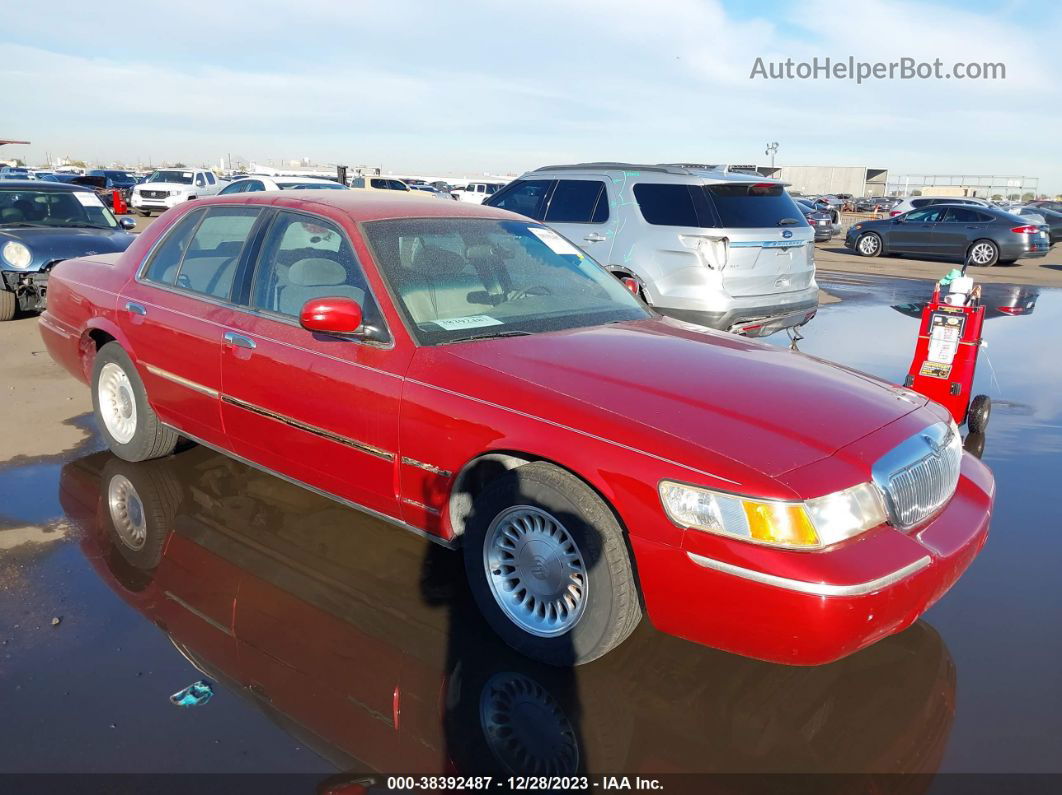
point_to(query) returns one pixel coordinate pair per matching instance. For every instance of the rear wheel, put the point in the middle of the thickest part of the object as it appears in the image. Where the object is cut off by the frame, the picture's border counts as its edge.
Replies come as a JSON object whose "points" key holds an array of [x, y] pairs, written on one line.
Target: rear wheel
{"points": [[548, 566], [979, 412], [141, 502], [8, 304], [868, 244], [126, 420], [144, 213], [983, 253]]}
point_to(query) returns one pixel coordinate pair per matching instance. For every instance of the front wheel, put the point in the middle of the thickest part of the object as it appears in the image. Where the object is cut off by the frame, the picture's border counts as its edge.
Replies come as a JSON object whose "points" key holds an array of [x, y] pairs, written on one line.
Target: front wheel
{"points": [[8, 304], [549, 568], [983, 253], [126, 420], [868, 244], [144, 213]]}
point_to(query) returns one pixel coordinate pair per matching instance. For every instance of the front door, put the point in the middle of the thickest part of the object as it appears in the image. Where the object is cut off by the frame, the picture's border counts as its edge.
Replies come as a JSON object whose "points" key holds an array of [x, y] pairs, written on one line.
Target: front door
{"points": [[174, 311], [318, 408], [913, 233]]}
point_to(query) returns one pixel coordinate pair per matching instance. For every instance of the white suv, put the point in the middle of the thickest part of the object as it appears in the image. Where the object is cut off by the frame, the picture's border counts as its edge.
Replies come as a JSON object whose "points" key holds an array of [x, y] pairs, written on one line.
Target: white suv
{"points": [[169, 187], [730, 251], [477, 192]]}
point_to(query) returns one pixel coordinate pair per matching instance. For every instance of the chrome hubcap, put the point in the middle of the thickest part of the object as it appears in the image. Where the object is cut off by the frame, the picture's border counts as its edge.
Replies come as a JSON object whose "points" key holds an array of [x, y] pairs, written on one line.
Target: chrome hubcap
{"points": [[117, 404], [868, 244], [981, 253], [535, 571], [127, 512], [526, 729]]}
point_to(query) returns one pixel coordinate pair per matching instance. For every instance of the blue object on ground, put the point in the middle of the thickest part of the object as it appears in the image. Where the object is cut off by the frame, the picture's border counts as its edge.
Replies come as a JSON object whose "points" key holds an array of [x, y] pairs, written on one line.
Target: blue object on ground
{"points": [[196, 694]]}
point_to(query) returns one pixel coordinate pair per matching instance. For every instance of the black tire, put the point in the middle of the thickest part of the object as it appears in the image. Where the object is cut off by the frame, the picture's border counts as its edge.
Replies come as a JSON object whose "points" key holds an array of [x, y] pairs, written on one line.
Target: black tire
{"points": [[139, 502], [1006, 262], [144, 213], [974, 444], [611, 610], [150, 439], [871, 241], [8, 305], [991, 260], [978, 414]]}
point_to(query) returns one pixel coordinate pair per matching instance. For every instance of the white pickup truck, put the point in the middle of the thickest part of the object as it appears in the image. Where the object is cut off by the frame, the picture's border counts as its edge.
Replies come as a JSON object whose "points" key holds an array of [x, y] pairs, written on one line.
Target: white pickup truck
{"points": [[476, 192], [168, 187]]}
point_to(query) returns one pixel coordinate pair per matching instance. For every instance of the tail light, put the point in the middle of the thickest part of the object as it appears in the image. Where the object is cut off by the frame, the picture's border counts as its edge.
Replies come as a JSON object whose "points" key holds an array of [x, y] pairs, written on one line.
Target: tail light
{"points": [[1011, 310], [1025, 230], [893, 213]]}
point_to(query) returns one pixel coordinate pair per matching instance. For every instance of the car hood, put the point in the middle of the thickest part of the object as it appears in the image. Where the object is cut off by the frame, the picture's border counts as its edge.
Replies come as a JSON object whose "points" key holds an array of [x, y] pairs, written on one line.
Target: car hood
{"points": [[765, 407], [49, 244]]}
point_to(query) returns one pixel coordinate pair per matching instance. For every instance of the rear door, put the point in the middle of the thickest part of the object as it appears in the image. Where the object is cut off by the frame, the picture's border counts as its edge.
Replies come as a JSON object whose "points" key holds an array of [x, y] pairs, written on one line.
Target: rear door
{"points": [[172, 314], [957, 228], [578, 208], [770, 248]]}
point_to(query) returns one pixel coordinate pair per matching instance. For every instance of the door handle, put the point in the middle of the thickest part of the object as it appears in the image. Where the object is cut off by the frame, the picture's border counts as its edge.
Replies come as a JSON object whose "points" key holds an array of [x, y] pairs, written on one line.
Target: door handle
{"points": [[594, 237], [134, 308], [238, 340]]}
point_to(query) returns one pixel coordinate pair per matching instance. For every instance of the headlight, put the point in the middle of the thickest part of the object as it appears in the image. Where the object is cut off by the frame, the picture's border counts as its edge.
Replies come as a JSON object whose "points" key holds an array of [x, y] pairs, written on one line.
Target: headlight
{"points": [[812, 524], [17, 255]]}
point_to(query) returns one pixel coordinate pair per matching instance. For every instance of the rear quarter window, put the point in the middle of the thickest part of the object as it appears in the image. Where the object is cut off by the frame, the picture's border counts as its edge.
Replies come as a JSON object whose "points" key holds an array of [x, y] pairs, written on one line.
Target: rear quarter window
{"points": [[671, 205], [166, 259]]}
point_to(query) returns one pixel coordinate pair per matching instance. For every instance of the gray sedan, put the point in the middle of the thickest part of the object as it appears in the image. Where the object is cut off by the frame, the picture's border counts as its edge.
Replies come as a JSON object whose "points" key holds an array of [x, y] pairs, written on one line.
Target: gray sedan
{"points": [[984, 235]]}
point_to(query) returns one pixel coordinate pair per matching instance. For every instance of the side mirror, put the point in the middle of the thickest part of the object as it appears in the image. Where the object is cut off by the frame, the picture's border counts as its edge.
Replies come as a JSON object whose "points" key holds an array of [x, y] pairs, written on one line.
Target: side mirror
{"points": [[127, 223], [337, 315]]}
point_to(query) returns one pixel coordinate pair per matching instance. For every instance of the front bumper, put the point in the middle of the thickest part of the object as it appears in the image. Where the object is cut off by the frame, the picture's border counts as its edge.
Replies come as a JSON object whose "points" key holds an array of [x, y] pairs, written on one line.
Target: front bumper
{"points": [[138, 202], [29, 287], [821, 615]]}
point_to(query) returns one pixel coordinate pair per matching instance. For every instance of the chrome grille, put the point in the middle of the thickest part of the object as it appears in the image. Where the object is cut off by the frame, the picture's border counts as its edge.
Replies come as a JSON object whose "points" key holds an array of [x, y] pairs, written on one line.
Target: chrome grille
{"points": [[920, 474], [154, 194]]}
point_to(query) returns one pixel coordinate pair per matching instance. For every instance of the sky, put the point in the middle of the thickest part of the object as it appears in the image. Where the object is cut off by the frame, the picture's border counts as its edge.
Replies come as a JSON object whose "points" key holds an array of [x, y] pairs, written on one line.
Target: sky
{"points": [[477, 86]]}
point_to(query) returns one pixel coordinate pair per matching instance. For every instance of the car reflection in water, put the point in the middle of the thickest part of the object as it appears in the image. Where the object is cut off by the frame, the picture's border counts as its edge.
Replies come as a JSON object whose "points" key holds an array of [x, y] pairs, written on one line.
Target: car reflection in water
{"points": [[1000, 300], [362, 643]]}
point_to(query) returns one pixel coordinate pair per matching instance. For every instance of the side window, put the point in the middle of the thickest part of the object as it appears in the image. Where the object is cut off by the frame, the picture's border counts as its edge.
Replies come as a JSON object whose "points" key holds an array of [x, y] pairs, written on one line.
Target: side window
{"points": [[666, 205], [575, 201], [209, 265], [304, 258], [380, 184], [254, 185], [961, 215], [924, 216], [210, 178], [200, 180], [168, 255], [481, 188], [524, 197], [235, 187], [358, 182], [920, 202], [395, 184]]}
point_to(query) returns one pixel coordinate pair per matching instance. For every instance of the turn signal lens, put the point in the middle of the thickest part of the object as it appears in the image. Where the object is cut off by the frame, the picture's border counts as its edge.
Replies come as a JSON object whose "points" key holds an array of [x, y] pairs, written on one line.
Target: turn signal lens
{"points": [[780, 523]]}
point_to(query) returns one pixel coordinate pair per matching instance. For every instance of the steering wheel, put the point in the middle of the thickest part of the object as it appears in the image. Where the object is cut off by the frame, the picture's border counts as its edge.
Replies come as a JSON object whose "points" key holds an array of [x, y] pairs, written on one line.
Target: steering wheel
{"points": [[534, 289]]}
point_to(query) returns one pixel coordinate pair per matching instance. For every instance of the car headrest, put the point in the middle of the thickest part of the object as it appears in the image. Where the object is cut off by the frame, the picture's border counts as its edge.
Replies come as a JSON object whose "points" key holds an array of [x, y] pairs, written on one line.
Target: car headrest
{"points": [[317, 272], [438, 261]]}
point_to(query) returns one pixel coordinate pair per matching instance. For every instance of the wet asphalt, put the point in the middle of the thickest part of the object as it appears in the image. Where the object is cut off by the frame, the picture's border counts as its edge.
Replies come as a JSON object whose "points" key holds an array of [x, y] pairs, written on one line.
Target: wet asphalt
{"points": [[336, 643]]}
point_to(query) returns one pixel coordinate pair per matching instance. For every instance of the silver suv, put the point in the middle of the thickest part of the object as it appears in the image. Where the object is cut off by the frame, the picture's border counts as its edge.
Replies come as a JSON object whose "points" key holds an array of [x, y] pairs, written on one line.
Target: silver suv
{"points": [[730, 251]]}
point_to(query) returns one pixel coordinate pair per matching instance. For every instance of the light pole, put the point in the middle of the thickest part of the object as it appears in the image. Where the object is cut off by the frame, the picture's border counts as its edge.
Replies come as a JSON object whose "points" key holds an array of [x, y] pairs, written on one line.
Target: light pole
{"points": [[770, 150]]}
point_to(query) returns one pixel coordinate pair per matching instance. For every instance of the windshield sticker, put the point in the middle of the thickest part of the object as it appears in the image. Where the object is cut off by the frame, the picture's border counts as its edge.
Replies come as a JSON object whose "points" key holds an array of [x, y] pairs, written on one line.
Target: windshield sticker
{"points": [[186, 174], [556, 243], [88, 199], [470, 321]]}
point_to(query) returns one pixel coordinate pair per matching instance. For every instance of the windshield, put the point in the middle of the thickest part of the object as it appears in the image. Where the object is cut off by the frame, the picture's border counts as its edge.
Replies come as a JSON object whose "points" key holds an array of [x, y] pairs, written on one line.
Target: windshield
{"points": [[456, 278], [57, 208], [183, 177]]}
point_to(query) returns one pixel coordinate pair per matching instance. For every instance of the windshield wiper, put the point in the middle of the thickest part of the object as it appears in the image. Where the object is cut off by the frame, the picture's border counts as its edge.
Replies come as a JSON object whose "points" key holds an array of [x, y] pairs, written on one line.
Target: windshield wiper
{"points": [[24, 223], [788, 222], [83, 225], [492, 336]]}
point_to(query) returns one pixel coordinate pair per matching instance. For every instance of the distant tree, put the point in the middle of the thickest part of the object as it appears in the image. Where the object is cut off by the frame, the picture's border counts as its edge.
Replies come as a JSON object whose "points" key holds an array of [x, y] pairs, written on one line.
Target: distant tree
{"points": [[996, 197], [179, 165], [76, 163], [19, 161], [916, 193], [1013, 197], [1058, 197], [1027, 197]]}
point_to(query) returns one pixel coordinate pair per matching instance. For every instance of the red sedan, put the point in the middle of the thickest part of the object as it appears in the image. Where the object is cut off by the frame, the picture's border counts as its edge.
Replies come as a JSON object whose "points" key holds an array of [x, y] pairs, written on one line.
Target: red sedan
{"points": [[471, 376]]}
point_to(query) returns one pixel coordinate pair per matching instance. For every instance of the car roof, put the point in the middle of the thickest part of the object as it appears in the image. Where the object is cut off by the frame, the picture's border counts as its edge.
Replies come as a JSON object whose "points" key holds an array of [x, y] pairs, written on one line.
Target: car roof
{"points": [[659, 170], [366, 205], [42, 185]]}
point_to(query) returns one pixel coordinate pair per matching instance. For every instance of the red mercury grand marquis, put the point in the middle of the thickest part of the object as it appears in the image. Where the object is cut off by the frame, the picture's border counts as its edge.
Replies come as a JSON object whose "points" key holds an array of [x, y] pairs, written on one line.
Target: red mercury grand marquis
{"points": [[470, 375]]}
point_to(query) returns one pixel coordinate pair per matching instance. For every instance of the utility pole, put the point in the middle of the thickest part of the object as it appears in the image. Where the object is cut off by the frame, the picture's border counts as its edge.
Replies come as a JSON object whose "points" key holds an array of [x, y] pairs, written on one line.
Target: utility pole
{"points": [[770, 150]]}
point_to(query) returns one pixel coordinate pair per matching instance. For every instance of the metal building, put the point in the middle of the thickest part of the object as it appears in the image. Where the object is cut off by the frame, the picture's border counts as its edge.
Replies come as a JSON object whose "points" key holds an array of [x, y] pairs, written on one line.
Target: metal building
{"points": [[856, 181]]}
